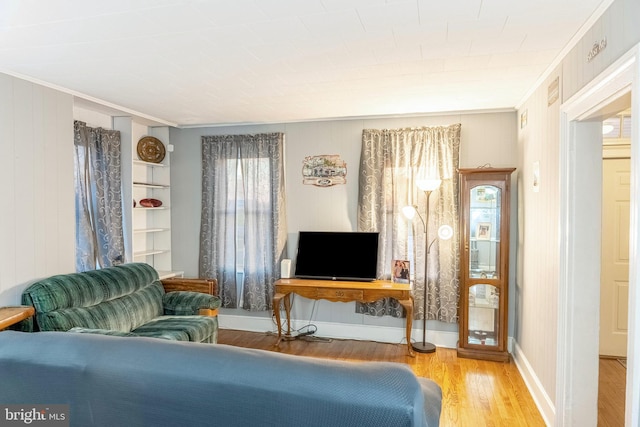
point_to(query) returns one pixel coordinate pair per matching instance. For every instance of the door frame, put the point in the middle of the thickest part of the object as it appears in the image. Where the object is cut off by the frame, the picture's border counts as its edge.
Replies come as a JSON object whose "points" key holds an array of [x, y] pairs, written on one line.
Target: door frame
{"points": [[579, 273]]}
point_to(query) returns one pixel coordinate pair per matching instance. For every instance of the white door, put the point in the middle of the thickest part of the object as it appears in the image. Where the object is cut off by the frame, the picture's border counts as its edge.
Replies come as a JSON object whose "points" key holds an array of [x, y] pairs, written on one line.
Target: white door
{"points": [[614, 283]]}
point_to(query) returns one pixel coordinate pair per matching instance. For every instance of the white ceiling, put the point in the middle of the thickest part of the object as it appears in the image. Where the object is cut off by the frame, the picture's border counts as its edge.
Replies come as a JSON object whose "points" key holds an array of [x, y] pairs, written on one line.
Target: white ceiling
{"points": [[252, 61]]}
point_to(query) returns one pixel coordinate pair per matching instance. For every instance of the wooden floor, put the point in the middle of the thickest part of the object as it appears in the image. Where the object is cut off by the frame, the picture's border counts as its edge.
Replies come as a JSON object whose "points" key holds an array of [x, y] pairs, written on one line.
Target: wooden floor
{"points": [[611, 393], [475, 393]]}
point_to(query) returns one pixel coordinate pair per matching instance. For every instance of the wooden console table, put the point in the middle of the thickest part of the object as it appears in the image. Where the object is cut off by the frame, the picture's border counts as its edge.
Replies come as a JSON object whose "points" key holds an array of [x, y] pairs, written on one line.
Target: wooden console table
{"points": [[341, 291], [12, 315]]}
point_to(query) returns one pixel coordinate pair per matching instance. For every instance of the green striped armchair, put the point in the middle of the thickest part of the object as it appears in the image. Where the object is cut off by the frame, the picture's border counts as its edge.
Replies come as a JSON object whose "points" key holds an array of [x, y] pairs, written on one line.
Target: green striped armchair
{"points": [[126, 300]]}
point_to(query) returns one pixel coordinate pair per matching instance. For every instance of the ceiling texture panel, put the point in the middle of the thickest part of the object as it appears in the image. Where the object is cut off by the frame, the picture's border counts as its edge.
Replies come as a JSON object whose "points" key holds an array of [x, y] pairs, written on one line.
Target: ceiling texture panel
{"points": [[212, 62]]}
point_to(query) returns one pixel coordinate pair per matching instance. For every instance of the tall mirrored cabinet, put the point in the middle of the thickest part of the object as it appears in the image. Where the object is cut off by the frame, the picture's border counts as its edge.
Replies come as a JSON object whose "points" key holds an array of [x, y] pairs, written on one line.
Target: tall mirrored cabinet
{"points": [[484, 264]]}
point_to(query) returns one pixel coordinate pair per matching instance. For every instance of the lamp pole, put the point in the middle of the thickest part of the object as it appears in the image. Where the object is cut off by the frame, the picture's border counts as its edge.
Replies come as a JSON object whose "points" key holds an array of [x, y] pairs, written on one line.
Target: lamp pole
{"points": [[424, 346]]}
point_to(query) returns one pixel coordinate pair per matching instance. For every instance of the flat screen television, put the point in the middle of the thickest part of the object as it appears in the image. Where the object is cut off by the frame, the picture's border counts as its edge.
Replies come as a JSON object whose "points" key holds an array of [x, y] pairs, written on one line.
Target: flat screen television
{"points": [[335, 255]]}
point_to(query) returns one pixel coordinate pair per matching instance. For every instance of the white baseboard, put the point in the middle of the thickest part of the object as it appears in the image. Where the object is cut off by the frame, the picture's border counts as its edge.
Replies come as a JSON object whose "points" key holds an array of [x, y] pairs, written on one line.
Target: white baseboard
{"points": [[544, 403], [340, 330]]}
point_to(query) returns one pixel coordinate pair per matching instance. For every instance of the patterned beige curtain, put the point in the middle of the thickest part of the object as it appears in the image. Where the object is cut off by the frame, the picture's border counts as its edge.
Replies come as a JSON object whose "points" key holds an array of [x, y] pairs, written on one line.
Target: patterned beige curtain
{"points": [[391, 162], [98, 188], [243, 225]]}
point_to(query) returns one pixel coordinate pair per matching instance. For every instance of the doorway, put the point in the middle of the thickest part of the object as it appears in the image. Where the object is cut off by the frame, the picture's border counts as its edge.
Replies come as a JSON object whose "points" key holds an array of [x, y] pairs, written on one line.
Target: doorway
{"points": [[614, 278], [580, 264], [616, 193]]}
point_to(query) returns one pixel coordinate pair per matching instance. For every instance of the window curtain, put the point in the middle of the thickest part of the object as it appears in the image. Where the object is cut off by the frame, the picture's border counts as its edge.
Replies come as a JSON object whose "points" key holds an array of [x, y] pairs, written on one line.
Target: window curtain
{"points": [[243, 223], [391, 161], [98, 188]]}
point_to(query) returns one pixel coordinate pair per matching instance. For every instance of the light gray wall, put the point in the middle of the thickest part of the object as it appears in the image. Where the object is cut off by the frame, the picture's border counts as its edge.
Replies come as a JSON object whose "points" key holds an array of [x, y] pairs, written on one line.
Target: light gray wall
{"points": [[37, 215], [538, 141], [538, 252], [619, 27], [486, 138]]}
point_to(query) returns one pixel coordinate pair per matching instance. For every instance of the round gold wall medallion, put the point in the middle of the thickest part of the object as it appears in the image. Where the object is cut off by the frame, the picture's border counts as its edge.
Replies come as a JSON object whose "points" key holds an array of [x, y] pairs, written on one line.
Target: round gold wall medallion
{"points": [[151, 149]]}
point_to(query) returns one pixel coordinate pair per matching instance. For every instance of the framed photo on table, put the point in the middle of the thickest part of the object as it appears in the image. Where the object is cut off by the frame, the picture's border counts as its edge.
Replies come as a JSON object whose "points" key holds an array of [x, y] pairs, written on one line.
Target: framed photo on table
{"points": [[400, 271]]}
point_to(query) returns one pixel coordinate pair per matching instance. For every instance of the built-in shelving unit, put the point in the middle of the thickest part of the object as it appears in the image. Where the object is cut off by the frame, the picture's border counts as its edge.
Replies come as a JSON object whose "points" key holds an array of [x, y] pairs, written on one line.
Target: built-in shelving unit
{"points": [[150, 230], [146, 185], [149, 253], [147, 229]]}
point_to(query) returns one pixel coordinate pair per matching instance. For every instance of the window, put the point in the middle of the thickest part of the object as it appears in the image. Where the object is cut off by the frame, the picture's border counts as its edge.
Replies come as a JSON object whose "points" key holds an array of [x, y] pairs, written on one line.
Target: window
{"points": [[99, 225], [243, 226]]}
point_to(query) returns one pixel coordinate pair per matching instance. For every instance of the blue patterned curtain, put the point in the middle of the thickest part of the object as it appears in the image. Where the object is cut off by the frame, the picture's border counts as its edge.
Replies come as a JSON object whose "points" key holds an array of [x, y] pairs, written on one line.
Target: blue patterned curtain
{"points": [[391, 162], [98, 186], [243, 224]]}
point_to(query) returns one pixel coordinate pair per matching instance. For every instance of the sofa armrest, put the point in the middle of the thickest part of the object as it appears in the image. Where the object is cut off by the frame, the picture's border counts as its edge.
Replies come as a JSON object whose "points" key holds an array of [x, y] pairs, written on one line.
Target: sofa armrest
{"points": [[432, 400], [206, 286], [183, 303]]}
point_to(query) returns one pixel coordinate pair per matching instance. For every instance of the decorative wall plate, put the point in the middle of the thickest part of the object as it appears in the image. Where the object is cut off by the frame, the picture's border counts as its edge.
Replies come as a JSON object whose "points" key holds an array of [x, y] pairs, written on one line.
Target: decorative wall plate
{"points": [[150, 203], [324, 170], [151, 149]]}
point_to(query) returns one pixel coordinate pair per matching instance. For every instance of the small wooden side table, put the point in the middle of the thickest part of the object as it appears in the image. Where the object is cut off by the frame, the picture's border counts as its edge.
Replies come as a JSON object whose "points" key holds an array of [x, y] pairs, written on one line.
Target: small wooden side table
{"points": [[12, 315]]}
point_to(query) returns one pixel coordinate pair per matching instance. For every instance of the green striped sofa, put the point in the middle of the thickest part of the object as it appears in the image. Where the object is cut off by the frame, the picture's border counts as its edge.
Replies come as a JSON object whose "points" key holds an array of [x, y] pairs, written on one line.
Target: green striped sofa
{"points": [[126, 300]]}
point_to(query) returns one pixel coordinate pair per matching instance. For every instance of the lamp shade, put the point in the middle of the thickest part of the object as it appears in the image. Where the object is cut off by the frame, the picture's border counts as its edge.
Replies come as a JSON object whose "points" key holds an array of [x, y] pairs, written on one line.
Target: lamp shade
{"points": [[607, 129], [428, 184], [445, 232], [409, 212]]}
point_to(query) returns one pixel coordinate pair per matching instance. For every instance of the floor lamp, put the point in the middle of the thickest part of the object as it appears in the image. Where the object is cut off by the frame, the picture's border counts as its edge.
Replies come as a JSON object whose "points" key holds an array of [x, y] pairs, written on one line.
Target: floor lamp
{"points": [[445, 232]]}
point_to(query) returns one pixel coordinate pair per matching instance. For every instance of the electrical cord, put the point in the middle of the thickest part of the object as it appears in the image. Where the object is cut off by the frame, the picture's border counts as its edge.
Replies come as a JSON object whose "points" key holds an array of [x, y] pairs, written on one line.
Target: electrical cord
{"points": [[305, 331], [310, 330], [283, 322]]}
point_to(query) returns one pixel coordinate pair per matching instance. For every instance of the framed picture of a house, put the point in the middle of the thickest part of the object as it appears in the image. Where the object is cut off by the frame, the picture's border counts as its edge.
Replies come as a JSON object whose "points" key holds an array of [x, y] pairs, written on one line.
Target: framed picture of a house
{"points": [[324, 170]]}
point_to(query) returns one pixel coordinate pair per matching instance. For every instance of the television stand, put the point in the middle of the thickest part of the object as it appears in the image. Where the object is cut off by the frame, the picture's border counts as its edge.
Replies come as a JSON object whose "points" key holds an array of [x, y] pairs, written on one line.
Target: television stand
{"points": [[341, 291]]}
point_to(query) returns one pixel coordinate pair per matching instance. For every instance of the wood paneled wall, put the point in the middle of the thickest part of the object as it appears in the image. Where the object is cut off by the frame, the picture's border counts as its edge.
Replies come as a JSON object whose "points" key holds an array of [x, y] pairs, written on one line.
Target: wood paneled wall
{"points": [[618, 28], [538, 257], [539, 212], [37, 220]]}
